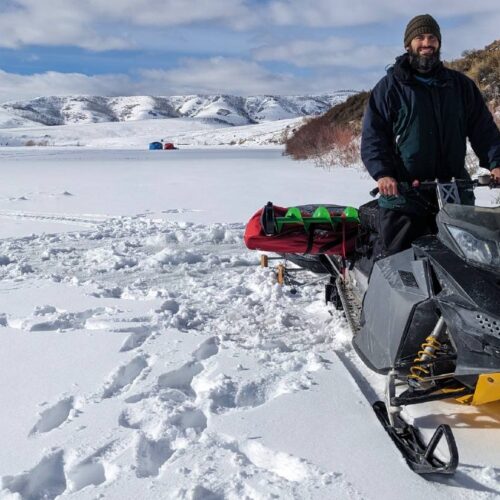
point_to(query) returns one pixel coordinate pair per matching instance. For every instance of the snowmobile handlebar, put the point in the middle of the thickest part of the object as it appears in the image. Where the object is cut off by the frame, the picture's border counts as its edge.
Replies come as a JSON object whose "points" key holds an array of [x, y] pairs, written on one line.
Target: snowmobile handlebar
{"points": [[481, 181]]}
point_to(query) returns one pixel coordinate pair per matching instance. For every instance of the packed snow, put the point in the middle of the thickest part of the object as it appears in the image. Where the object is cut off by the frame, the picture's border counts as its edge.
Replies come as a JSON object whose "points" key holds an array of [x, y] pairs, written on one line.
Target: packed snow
{"points": [[145, 354]]}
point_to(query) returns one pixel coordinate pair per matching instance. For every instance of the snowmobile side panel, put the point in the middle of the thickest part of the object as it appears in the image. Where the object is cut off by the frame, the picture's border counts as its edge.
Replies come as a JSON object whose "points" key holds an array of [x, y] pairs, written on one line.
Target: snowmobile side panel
{"points": [[462, 283], [397, 285], [475, 338]]}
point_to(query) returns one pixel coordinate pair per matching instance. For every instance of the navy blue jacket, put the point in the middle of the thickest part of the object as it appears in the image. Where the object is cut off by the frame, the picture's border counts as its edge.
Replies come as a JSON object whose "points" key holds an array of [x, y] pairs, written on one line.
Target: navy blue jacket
{"points": [[414, 130]]}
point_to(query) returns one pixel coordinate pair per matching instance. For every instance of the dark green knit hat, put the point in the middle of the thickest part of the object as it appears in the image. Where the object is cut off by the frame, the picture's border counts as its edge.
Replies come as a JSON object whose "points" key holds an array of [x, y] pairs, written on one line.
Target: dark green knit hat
{"points": [[420, 25]]}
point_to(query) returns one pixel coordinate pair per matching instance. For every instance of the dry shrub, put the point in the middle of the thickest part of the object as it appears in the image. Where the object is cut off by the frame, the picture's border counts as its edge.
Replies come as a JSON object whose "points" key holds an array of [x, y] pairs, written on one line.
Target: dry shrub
{"points": [[326, 144], [330, 139], [483, 66], [343, 149], [349, 113], [31, 142]]}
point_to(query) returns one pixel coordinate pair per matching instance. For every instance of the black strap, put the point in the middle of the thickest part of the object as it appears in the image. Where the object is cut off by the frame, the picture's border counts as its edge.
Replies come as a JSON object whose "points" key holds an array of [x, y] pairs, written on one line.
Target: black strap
{"points": [[329, 245], [267, 221], [310, 239], [324, 248]]}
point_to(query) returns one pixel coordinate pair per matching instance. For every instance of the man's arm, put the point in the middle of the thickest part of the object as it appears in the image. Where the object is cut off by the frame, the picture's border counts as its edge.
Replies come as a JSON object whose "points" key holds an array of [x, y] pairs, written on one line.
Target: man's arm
{"points": [[377, 142]]}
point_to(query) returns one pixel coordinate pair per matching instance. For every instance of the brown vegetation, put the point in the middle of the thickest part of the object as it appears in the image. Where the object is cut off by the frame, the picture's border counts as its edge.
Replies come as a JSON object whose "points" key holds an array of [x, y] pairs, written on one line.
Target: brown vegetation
{"points": [[31, 142], [332, 134], [483, 66]]}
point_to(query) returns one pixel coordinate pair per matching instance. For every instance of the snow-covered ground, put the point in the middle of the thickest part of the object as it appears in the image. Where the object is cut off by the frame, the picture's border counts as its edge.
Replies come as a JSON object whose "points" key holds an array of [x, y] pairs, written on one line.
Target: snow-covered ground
{"points": [[145, 354], [183, 132]]}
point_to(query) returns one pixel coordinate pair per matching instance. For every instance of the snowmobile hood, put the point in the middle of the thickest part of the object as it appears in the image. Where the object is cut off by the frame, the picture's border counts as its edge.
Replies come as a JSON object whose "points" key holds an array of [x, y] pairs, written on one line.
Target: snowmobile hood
{"points": [[482, 223]]}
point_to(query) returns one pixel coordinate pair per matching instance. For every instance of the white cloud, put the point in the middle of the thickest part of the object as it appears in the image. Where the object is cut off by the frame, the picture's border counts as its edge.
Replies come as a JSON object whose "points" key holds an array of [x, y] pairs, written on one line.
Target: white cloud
{"points": [[85, 23], [325, 13], [88, 23], [332, 51], [221, 74], [235, 13], [14, 87], [53, 22], [193, 76], [476, 33]]}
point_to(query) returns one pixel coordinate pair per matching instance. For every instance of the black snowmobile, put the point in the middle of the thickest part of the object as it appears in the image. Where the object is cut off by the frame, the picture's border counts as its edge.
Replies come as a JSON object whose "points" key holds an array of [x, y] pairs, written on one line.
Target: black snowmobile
{"points": [[428, 317]]}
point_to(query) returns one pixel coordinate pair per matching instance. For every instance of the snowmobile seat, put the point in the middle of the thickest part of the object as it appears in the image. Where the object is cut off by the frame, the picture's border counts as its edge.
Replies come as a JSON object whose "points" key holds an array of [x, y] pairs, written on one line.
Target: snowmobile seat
{"points": [[368, 237], [368, 216]]}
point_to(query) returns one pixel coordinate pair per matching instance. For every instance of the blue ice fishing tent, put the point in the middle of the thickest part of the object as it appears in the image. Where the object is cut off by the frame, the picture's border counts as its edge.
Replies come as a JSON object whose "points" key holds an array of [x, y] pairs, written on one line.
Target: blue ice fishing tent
{"points": [[155, 145]]}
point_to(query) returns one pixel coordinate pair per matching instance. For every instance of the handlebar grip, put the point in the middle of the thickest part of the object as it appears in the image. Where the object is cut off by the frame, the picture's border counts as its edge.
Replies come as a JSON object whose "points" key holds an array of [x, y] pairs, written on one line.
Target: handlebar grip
{"points": [[374, 192]]}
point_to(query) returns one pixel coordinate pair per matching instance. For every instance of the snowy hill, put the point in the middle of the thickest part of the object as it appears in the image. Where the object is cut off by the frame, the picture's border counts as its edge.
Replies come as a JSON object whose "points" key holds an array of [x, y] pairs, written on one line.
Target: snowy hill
{"points": [[226, 109], [184, 132]]}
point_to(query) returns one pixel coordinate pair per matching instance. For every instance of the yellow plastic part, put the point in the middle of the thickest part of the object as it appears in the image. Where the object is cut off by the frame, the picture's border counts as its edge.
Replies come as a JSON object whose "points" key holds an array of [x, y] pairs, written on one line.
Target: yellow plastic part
{"points": [[487, 390]]}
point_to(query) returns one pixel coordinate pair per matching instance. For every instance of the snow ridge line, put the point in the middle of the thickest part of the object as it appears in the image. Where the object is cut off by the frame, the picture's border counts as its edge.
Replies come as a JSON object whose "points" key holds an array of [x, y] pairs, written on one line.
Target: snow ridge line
{"points": [[90, 220]]}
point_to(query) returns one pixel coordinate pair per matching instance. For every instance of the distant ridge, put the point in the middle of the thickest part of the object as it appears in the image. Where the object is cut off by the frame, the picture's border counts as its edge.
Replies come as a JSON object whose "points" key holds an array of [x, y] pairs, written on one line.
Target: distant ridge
{"points": [[226, 109]]}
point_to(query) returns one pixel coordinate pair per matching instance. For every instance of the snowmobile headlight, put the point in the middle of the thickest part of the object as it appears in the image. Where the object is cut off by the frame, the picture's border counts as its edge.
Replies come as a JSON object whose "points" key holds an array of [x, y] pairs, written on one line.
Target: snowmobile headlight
{"points": [[481, 251]]}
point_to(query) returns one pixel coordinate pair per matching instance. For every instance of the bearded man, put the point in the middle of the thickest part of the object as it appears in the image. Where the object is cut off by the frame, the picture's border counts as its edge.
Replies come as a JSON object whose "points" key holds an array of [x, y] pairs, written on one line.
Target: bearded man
{"points": [[415, 127]]}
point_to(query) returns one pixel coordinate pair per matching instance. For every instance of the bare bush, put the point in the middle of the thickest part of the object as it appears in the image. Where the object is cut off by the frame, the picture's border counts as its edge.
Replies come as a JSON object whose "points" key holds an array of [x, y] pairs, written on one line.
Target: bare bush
{"points": [[31, 142], [342, 151], [330, 139], [326, 144]]}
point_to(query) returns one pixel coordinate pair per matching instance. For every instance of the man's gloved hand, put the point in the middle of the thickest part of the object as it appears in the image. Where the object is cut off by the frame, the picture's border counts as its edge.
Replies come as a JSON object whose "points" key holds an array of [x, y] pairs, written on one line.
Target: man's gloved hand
{"points": [[388, 186], [495, 174]]}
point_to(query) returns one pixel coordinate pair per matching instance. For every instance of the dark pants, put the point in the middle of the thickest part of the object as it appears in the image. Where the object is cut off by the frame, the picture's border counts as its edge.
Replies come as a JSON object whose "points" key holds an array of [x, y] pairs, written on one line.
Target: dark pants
{"points": [[397, 230]]}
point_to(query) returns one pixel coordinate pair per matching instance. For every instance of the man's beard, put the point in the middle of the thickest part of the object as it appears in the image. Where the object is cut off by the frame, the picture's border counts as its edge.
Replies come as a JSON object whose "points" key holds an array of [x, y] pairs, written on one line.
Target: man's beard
{"points": [[424, 63]]}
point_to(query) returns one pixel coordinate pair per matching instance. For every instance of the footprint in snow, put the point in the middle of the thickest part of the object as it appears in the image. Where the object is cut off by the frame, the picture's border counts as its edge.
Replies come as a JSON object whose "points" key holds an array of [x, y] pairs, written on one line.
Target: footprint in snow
{"points": [[182, 378], [90, 470], [45, 481], [139, 335], [124, 376], [190, 419], [86, 473], [150, 455], [199, 492], [207, 349], [53, 417]]}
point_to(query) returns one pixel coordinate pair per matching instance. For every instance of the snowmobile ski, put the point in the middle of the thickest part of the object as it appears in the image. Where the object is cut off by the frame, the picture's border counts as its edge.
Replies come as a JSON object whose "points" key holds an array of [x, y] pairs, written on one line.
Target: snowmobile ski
{"points": [[419, 457]]}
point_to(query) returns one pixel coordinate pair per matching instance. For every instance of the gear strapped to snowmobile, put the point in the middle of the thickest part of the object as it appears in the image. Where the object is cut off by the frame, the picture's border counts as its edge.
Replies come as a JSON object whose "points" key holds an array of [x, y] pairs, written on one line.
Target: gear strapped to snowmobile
{"points": [[439, 336]]}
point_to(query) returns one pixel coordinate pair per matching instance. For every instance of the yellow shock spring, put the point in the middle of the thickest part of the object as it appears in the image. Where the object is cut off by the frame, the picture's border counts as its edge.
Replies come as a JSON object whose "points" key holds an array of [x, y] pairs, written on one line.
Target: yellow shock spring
{"points": [[427, 352]]}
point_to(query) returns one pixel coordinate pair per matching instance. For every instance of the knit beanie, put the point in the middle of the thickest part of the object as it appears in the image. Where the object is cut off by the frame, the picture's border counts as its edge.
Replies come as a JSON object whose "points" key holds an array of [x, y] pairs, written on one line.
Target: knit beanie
{"points": [[420, 25]]}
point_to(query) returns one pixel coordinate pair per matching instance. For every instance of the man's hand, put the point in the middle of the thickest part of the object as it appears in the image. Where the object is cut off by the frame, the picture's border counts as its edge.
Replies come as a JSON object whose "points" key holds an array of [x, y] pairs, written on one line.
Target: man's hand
{"points": [[388, 186], [495, 174]]}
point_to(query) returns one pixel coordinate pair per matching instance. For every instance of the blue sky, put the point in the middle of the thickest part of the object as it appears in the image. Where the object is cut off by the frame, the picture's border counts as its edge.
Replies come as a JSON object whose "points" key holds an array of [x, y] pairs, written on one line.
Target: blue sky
{"points": [[166, 47]]}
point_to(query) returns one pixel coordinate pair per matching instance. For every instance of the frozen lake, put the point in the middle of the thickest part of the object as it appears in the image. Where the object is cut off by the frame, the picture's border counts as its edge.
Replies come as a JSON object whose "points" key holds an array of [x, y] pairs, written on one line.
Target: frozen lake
{"points": [[210, 185], [145, 354]]}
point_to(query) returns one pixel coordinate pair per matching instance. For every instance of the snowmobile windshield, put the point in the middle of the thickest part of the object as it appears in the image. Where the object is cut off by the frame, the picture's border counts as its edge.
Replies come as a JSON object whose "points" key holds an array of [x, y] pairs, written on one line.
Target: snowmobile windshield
{"points": [[472, 232]]}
